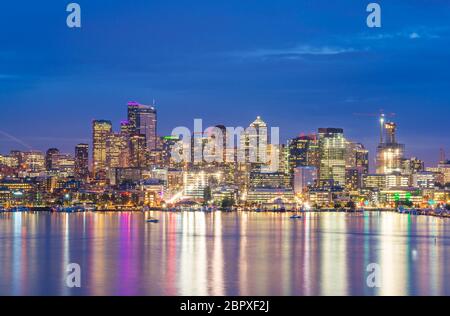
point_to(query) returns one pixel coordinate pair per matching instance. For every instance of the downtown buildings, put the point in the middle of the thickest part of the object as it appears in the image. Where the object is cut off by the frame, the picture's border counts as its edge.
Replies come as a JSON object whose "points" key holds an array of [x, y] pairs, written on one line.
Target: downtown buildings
{"points": [[135, 167]]}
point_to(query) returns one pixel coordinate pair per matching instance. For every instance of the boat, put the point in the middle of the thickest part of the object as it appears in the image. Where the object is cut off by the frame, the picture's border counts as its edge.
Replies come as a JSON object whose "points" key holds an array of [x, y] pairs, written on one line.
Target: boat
{"points": [[152, 220], [295, 216]]}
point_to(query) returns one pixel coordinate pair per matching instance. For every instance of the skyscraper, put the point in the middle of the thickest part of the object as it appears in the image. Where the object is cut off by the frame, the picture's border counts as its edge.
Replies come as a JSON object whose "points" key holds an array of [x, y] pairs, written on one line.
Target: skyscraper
{"points": [[142, 119], [254, 141], [82, 161], [117, 150], [356, 156], [50, 158], [332, 155], [101, 130], [138, 151], [303, 151], [389, 152]]}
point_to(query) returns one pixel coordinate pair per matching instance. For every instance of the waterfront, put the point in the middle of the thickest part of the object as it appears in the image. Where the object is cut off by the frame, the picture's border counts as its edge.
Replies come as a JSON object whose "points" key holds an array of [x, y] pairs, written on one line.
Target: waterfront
{"points": [[196, 253]]}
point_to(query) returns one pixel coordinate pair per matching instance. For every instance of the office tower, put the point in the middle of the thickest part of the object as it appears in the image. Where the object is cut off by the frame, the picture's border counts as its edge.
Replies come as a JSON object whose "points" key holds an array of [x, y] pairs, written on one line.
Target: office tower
{"points": [[389, 152], [332, 156], [168, 144], [138, 157], [82, 161], [64, 165], [50, 158], [219, 146], [101, 130], [303, 151], [125, 128], [142, 120], [117, 148], [356, 156], [353, 178], [304, 177], [254, 142]]}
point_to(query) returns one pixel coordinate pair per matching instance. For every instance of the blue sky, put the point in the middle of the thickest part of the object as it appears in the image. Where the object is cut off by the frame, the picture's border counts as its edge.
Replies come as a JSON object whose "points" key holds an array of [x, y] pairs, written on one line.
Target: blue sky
{"points": [[299, 64]]}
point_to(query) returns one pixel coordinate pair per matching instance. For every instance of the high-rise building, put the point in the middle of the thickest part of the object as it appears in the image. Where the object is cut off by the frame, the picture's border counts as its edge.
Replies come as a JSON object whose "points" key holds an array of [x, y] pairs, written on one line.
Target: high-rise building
{"points": [[303, 151], [101, 130], [356, 156], [389, 152], [138, 157], [255, 142], [50, 158], [142, 120], [117, 150], [304, 177], [332, 155], [82, 161]]}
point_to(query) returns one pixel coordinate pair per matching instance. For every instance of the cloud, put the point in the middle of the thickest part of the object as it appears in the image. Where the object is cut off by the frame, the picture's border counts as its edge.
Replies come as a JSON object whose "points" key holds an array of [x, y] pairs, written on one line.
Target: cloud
{"points": [[293, 53], [414, 35], [417, 33]]}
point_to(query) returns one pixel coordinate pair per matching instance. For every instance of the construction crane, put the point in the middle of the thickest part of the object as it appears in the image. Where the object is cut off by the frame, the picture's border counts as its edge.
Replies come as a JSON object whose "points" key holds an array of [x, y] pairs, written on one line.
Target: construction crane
{"points": [[382, 117]]}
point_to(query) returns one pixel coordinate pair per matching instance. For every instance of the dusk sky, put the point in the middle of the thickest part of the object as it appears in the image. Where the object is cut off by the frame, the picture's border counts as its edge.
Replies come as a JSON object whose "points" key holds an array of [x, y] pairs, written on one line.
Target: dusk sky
{"points": [[300, 65]]}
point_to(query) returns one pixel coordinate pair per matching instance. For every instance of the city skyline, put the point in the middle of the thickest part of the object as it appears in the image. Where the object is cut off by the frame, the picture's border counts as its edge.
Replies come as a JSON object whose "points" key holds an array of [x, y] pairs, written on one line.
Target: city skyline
{"points": [[319, 66], [119, 127]]}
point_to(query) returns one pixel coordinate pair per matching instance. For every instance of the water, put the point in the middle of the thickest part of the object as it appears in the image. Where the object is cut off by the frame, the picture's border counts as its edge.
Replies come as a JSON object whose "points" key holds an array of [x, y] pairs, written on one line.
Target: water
{"points": [[194, 253]]}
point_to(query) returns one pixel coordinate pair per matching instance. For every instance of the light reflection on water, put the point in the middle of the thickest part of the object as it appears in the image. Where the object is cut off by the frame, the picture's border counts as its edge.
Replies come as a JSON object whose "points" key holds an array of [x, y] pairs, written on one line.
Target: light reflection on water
{"points": [[194, 253]]}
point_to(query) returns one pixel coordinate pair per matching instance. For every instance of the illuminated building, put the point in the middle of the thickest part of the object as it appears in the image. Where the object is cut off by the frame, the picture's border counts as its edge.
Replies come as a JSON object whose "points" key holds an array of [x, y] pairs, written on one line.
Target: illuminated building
{"points": [[125, 128], [168, 144], [254, 142], [304, 177], [303, 151], [101, 130], [268, 197], [9, 161], [138, 151], [194, 184], [224, 192], [174, 180], [82, 162], [424, 180], [353, 178], [153, 190], [389, 153], [50, 158], [33, 164], [64, 165], [397, 180], [117, 151], [444, 168], [130, 175], [394, 196], [196, 181], [332, 155], [269, 180], [155, 158], [412, 166], [142, 120], [320, 198], [356, 156], [374, 181]]}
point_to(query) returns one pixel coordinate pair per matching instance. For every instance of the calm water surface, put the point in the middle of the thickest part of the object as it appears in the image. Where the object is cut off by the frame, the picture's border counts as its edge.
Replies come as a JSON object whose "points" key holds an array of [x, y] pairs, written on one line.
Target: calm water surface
{"points": [[194, 253]]}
